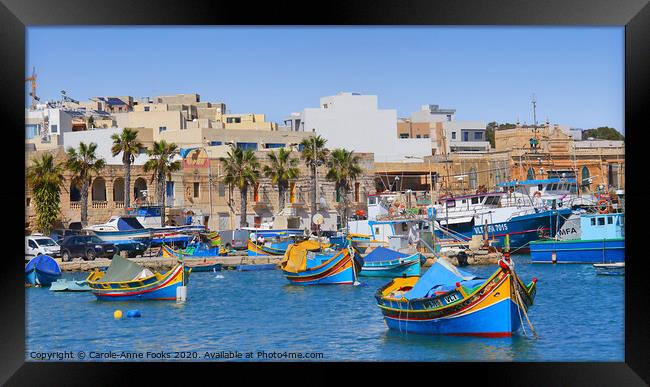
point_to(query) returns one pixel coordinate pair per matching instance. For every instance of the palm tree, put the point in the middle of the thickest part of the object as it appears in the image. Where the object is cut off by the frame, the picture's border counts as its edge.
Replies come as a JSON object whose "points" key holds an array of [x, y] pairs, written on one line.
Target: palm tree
{"points": [[282, 169], [161, 165], [46, 178], [343, 169], [241, 170], [314, 154], [127, 144], [83, 163]]}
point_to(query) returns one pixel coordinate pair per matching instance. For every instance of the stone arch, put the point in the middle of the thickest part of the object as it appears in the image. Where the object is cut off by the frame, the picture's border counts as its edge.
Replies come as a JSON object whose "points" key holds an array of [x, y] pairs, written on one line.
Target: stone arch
{"points": [[118, 190], [99, 190], [584, 182], [472, 178], [75, 190], [139, 186]]}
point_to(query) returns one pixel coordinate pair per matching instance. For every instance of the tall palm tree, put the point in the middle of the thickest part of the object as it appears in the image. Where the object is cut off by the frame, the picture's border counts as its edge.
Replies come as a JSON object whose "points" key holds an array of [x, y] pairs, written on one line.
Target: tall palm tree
{"points": [[83, 163], [314, 154], [161, 164], [241, 170], [46, 179], [126, 143], [282, 169], [343, 169]]}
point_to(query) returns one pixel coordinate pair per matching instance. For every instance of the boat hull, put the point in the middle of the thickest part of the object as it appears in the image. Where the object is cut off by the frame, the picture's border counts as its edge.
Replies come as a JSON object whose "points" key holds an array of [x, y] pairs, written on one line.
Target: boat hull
{"points": [[522, 229], [578, 251], [491, 310], [337, 270], [42, 270], [37, 277], [255, 250], [151, 288], [408, 266]]}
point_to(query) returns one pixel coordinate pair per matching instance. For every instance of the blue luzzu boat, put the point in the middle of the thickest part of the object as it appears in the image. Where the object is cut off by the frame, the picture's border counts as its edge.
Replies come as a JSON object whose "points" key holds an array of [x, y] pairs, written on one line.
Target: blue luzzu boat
{"points": [[255, 249], [126, 281], [449, 301], [42, 270], [384, 262], [197, 257], [601, 240], [304, 266]]}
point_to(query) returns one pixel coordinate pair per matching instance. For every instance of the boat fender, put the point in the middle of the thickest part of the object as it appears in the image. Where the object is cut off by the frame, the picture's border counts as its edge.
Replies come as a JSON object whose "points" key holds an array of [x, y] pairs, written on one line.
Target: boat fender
{"points": [[534, 280], [133, 313], [117, 314]]}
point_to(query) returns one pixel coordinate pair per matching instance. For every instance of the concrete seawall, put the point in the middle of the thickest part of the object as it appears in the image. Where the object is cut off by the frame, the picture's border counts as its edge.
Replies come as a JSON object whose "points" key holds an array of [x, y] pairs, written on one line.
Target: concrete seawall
{"points": [[162, 264]]}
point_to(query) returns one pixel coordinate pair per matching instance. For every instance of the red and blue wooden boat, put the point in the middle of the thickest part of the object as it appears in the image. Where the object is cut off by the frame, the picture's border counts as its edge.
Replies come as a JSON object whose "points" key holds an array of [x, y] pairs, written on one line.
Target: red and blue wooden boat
{"points": [[125, 281], [255, 249], [384, 262], [448, 301]]}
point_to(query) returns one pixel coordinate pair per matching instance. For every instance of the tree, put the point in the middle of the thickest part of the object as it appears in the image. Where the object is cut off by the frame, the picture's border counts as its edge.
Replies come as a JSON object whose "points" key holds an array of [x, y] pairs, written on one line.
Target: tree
{"points": [[314, 154], [241, 170], [603, 133], [343, 169], [492, 127], [126, 143], [46, 179], [83, 163], [161, 164], [282, 169]]}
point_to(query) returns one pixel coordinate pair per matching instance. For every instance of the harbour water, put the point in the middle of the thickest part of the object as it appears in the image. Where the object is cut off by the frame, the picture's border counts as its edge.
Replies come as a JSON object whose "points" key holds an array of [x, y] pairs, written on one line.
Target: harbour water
{"points": [[578, 315]]}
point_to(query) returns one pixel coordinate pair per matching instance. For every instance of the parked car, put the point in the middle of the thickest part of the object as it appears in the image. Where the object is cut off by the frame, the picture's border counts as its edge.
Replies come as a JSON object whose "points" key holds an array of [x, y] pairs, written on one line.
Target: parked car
{"points": [[38, 244], [87, 247], [59, 234], [133, 248], [234, 239]]}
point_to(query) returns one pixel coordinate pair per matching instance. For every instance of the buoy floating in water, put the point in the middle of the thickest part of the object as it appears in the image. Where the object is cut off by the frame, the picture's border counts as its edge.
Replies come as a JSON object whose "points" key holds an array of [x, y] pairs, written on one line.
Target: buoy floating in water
{"points": [[117, 314], [133, 313]]}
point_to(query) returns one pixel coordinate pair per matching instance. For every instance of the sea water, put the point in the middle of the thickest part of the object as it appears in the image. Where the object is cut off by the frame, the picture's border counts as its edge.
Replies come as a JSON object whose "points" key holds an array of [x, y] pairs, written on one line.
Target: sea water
{"points": [[578, 316]]}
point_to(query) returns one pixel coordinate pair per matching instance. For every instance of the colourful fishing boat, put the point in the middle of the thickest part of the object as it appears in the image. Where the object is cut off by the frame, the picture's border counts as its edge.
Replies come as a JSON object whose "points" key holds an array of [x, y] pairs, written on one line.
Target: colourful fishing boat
{"points": [[304, 265], [42, 270], [196, 257], [601, 239], [255, 249], [362, 242], [449, 301], [125, 281], [384, 262]]}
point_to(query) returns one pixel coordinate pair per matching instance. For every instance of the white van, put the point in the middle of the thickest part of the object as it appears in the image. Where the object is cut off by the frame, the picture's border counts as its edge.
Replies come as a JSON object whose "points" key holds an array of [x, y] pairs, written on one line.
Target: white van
{"points": [[41, 245]]}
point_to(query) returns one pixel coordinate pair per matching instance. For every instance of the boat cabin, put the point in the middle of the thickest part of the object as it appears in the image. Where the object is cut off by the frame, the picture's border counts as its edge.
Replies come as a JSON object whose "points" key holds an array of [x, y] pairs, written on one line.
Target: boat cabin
{"points": [[602, 226]]}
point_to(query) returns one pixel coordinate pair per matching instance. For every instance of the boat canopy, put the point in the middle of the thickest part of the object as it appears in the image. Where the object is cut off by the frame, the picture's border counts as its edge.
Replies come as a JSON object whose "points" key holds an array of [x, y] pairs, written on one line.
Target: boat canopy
{"points": [[123, 270], [380, 254], [440, 276], [295, 259], [125, 223], [43, 263]]}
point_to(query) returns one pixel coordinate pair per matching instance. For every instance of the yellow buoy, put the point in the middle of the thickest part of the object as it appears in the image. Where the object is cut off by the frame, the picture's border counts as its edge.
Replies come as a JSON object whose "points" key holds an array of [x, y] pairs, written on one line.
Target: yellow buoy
{"points": [[117, 314]]}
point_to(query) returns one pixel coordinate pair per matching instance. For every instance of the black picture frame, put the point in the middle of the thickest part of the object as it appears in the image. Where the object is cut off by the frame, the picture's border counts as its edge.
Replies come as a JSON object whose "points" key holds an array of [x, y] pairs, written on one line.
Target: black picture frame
{"points": [[15, 15]]}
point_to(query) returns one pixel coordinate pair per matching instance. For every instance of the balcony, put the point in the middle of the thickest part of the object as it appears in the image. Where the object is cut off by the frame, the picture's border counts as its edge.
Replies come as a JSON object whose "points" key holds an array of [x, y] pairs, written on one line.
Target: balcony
{"points": [[99, 204], [75, 205], [118, 204]]}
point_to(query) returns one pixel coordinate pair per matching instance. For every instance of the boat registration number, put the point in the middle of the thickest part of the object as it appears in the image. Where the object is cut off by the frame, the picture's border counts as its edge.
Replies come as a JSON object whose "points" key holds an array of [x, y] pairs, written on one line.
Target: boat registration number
{"points": [[451, 298], [491, 228]]}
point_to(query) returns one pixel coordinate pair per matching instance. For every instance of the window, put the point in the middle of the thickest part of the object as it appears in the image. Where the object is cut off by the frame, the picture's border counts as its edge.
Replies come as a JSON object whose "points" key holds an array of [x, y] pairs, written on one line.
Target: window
{"points": [[403, 135], [162, 129], [478, 135], [425, 136], [453, 135], [372, 200], [247, 145], [601, 221], [233, 120], [418, 136], [610, 220], [465, 136], [170, 189], [273, 145], [222, 189], [377, 230], [196, 189], [54, 128], [356, 192], [475, 200], [29, 201], [593, 221], [449, 117], [531, 174], [32, 244], [31, 131], [146, 108], [613, 173]]}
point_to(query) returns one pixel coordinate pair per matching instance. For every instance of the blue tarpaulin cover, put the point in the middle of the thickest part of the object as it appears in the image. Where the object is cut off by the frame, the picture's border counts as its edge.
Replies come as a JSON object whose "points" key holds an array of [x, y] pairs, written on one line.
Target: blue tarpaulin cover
{"points": [[440, 275], [43, 263], [383, 254]]}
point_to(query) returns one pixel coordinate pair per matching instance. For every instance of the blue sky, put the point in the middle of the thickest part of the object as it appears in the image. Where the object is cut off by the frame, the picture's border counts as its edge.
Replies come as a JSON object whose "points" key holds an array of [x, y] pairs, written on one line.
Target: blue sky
{"points": [[486, 73]]}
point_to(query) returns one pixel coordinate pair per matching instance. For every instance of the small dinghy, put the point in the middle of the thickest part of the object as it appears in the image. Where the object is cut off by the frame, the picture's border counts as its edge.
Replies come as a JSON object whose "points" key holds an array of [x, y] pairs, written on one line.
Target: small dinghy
{"points": [[616, 268], [64, 285]]}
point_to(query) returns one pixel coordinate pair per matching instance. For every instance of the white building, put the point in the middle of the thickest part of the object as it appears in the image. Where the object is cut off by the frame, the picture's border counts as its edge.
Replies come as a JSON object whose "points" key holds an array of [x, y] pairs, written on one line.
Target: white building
{"points": [[354, 121], [460, 136], [47, 125], [102, 137]]}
